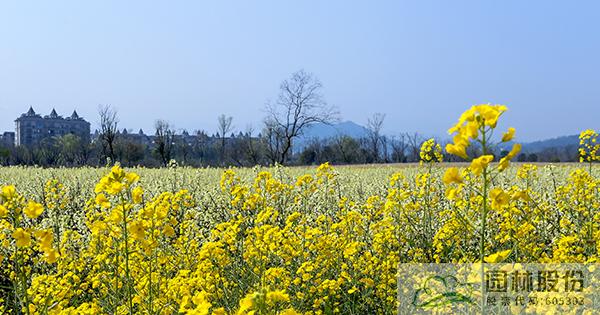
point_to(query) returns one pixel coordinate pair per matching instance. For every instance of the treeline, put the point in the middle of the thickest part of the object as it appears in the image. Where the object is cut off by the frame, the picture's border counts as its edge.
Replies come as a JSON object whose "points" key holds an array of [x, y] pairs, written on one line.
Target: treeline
{"points": [[236, 149], [242, 149], [279, 140], [200, 150], [197, 150]]}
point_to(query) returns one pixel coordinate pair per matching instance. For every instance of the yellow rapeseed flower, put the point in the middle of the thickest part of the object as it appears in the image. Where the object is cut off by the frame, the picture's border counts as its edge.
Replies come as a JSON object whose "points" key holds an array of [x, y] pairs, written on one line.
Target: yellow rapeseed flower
{"points": [[115, 188], [589, 146], [8, 192], [509, 135], [277, 296], [470, 123], [22, 237], [452, 192], [132, 178], [137, 194], [102, 201], [499, 198], [452, 175], [490, 113], [431, 151], [45, 239], [33, 209], [497, 257], [168, 231], [457, 150], [480, 163], [505, 161], [246, 303], [137, 230], [51, 256]]}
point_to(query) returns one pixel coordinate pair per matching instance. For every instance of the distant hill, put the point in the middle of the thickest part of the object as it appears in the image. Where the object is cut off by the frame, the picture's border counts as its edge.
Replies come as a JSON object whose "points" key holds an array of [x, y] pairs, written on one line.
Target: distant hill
{"points": [[354, 130], [560, 149], [559, 142], [541, 145], [323, 131], [346, 128]]}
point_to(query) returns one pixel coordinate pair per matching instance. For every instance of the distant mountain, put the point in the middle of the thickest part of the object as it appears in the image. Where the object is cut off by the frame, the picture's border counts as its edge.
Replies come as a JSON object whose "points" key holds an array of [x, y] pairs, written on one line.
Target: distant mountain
{"points": [[346, 128], [560, 142], [541, 145], [349, 128], [323, 131]]}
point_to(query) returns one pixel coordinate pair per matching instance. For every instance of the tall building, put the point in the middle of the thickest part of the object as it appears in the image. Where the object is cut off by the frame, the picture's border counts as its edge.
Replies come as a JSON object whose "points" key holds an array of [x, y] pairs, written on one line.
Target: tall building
{"points": [[32, 128]]}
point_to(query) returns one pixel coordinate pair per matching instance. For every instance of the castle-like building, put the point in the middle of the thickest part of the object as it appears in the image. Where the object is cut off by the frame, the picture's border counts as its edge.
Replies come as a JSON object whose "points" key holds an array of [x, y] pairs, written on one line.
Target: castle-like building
{"points": [[32, 128]]}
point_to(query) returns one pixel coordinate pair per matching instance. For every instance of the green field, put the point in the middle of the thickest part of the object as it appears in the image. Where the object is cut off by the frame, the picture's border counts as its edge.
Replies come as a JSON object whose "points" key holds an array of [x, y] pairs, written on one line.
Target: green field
{"points": [[274, 240]]}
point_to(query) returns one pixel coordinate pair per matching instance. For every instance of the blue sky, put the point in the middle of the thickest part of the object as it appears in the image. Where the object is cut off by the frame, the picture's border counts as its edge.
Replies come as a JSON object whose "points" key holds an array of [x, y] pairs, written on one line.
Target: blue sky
{"points": [[420, 62]]}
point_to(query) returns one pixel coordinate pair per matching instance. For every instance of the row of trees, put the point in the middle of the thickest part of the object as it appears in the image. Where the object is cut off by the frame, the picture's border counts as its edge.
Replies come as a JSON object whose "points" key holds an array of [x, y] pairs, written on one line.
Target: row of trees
{"points": [[242, 149], [299, 105]]}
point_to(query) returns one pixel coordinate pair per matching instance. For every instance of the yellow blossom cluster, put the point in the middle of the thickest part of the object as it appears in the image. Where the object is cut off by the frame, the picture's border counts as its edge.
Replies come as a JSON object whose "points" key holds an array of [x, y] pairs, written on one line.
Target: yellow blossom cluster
{"points": [[431, 151], [471, 124], [283, 240], [589, 147], [157, 253]]}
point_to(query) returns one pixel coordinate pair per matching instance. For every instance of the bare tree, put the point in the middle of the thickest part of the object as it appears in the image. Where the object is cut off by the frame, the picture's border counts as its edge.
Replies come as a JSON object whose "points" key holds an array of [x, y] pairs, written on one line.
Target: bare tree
{"points": [[273, 137], [250, 147], [200, 147], [184, 148], [73, 151], [374, 126], [385, 149], [129, 151], [164, 140], [349, 149], [299, 105], [414, 144], [224, 127], [108, 130], [399, 146]]}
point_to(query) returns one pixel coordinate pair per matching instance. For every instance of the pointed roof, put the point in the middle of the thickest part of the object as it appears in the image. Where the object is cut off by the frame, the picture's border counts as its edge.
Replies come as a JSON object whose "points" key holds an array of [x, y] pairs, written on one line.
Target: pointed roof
{"points": [[125, 131], [53, 113], [74, 115], [30, 112], [141, 132]]}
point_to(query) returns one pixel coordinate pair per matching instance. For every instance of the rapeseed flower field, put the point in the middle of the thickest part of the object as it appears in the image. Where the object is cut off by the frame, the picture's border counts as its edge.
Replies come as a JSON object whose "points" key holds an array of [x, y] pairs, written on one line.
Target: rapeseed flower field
{"points": [[285, 240]]}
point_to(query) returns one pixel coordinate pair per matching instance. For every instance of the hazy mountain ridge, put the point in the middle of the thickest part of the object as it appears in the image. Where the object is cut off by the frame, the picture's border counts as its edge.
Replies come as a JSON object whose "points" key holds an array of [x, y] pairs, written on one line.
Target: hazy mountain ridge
{"points": [[558, 142], [349, 128], [569, 142], [324, 131]]}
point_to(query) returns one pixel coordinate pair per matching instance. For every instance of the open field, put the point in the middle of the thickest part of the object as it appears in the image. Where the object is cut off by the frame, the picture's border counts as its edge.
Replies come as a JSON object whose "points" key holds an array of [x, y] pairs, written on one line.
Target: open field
{"points": [[299, 157], [286, 240], [275, 239]]}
